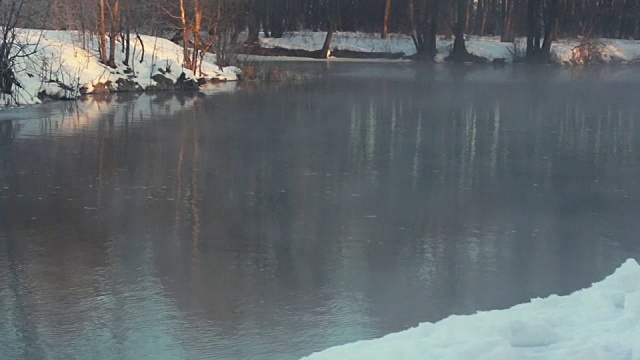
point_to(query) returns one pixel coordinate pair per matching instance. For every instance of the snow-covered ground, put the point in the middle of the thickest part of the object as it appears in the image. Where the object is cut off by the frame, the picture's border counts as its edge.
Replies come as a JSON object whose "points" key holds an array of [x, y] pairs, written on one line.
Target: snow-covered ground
{"points": [[601, 322], [488, 47], [61, 58]]}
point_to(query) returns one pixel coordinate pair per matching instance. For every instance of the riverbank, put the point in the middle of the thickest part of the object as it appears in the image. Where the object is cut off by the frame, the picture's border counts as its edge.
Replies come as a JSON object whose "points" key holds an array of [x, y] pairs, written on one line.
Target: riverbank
{"points": [[398, 46], [64, 65]]}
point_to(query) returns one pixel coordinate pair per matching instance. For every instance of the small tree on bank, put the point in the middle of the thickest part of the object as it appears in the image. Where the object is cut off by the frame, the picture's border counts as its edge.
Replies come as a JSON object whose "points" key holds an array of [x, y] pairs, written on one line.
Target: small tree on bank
{"points": [[13, 45]]}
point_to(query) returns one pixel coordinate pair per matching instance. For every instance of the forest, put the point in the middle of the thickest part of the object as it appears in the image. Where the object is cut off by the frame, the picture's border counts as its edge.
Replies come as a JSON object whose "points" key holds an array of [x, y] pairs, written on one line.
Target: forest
{"points": [[222, 26]]}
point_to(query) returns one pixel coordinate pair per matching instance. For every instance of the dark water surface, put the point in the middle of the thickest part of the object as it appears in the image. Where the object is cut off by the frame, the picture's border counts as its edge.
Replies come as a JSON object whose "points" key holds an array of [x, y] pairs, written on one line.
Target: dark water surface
{"points": [[279, 220]]}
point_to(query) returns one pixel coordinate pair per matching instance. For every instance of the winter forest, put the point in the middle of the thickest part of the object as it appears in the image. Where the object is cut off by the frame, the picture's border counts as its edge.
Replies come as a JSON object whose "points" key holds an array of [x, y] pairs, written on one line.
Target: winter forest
{"points": [[217, 25]]}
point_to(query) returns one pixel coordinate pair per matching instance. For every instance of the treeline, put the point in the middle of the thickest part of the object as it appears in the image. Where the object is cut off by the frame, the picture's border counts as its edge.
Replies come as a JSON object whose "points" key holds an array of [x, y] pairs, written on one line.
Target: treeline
{"points": [[603, 18], [215, 25]]}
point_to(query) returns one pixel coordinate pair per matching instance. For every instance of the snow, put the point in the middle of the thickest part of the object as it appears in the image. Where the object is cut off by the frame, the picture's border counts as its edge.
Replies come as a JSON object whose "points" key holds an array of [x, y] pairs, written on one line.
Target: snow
{"points": [[601, 322], [310, 41], [489, 47], [60, 58]]}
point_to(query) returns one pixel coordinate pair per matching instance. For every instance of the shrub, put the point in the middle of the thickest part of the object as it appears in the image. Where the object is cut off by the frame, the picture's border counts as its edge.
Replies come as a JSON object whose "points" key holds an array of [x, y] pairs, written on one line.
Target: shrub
{"points": [[588, 51]]}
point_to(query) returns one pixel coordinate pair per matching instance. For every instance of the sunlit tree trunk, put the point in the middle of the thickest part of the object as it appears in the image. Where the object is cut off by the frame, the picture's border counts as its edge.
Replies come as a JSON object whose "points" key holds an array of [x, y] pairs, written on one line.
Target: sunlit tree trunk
{"points": [[387, 15], [326, 47], [331, 25]]}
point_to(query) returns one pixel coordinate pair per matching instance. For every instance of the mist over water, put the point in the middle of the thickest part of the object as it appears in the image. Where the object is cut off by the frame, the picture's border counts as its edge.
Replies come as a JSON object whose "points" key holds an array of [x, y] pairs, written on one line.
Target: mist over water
{"points": [[279, 220]]}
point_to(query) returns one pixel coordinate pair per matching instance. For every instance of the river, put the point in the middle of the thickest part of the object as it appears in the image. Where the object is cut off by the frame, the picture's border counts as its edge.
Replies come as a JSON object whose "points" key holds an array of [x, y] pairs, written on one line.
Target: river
{"points": [[269, 221]]}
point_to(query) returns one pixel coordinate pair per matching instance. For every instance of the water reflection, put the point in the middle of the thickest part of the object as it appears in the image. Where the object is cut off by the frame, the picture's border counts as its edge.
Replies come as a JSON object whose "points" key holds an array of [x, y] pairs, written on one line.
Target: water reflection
{"points": [[270, 224]]}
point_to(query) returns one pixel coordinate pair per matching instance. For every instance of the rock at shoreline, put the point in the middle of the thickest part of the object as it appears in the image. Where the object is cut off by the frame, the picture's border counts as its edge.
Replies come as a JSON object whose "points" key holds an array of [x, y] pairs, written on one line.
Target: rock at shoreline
{"points": [[128, 85]]}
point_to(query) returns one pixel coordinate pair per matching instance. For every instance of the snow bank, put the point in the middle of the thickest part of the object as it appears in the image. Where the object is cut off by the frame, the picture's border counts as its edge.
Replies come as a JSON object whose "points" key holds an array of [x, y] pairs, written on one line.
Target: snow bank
{"points": [[598, 323], [488, 47], [61, 65]]}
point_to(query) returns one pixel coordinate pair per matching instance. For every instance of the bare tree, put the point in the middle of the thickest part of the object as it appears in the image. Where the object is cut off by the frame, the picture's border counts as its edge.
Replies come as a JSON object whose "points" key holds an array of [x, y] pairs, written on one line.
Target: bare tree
{"points": [[14, 45]]}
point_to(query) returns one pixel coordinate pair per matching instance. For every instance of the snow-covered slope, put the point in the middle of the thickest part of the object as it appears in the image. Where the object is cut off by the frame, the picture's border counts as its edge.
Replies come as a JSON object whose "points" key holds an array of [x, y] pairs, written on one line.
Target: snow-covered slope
{"points": [[488, 47], [71, 58], [598, 323]]}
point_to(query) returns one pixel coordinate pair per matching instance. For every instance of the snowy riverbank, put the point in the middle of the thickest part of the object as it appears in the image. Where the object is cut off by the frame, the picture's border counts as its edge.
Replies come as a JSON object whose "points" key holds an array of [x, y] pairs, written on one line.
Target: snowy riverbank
{"points": [[564, 51], [598, 323], [64, 65]]}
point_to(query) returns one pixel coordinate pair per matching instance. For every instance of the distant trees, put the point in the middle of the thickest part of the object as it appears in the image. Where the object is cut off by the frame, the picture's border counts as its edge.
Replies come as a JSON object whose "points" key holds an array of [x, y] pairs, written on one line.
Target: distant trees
{"points": [[213, 25], [541, 21]]}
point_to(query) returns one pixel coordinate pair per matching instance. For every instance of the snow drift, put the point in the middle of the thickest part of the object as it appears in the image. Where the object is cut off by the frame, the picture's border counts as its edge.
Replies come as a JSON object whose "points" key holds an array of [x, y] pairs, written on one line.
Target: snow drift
{"points": [[598, 323]]}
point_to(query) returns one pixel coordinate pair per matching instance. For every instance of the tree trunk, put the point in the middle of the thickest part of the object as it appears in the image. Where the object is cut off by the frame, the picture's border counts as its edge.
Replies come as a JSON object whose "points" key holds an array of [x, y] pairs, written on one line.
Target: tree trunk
{"points": [[387, 15], [549, 29], [485, 14], [113, 32], [459, 51], [276, 18], [127, 47], [507, 30], [430, 41], [186, 36], [197, 27], [414, 26], [477, 18], [423, 17], [331, 12], [326, 47], [532, 26], [141, 45], [102, 33], [253, 24], [126, 20]]}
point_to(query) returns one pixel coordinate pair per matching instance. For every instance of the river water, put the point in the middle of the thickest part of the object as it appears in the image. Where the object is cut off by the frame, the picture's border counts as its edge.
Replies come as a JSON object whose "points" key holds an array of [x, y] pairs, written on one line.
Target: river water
{"points": [[270, 221]]}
